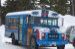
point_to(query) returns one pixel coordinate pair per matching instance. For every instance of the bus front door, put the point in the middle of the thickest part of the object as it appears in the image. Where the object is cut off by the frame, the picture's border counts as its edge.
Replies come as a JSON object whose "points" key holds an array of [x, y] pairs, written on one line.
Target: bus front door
{"points": [[24, 31]]}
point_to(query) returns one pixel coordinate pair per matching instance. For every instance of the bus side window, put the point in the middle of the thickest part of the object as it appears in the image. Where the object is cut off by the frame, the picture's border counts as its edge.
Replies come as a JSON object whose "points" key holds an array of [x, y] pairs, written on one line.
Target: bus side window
{"points": [[9, 22], [26, 20], [32, 20], [29, 20], [12, 23], [21, 21]]}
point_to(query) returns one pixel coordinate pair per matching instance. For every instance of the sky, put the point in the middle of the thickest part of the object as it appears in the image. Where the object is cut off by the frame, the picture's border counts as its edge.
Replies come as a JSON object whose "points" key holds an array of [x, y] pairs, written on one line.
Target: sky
{"points": [[2, 2]]}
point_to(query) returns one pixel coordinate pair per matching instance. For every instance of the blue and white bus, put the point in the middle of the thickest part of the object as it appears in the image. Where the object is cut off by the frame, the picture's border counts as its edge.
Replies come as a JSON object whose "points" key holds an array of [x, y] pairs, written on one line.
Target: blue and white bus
{"points": [[35, 28]]}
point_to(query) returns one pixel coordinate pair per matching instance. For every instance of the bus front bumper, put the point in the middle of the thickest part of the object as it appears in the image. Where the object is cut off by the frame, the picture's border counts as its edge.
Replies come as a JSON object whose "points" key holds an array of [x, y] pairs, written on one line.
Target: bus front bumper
{"points": [[43, 43]]}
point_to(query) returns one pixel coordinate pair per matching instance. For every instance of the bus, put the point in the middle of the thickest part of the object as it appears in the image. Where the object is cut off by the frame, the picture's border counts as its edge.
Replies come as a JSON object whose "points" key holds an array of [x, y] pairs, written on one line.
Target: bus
{"points": [[35, 28]]}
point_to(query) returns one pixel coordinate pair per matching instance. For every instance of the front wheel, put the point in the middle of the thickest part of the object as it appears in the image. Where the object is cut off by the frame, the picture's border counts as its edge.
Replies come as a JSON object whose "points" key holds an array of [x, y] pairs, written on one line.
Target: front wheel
{"points": [[61, 47], [33, 44]]}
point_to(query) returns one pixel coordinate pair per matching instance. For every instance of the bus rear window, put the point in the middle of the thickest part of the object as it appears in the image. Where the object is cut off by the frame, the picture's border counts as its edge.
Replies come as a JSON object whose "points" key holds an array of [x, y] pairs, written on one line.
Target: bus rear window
{"points": [[12, 23]]}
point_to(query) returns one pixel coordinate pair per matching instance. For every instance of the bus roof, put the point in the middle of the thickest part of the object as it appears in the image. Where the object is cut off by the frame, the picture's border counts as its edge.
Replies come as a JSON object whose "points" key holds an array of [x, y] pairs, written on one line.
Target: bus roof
{"points": [[37, 13], [18, 13]]}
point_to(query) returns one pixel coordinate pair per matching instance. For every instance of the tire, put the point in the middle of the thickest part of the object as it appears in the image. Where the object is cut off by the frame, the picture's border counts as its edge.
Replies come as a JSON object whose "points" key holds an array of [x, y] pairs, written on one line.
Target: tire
{"points": [[74, 42], [61, 47], [33, 44], [13, 38], [16, 42]]}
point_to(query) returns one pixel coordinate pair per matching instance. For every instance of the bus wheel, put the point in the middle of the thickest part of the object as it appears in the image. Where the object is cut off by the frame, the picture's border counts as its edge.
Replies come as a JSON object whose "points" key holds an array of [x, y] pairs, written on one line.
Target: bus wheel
{"points": [[74, 42], [61, 47], [13, 38], [33, 44]]}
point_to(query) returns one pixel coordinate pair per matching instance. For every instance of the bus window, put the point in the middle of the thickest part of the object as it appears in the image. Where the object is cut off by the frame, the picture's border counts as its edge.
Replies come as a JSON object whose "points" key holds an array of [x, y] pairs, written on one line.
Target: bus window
{"points": [[37, 20], [54, 22], [12, 23], [32, 20], [41, 21], [21, 21], [49, 22], [45, 21]]}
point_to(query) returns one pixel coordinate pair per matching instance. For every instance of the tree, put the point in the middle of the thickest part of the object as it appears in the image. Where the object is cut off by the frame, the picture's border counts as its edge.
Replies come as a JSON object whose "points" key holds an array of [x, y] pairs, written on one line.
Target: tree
{"points": [[61, 7], [24, 4], [2, 14], [17, 5], [11, 5], [56, 5], [44, 1]]}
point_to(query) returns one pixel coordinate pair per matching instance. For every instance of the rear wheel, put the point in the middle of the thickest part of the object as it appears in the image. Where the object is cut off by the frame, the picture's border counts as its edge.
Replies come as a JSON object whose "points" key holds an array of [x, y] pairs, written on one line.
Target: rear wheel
{"points": [[74, 42], [61, 47], [33, 44], [13, 38]]}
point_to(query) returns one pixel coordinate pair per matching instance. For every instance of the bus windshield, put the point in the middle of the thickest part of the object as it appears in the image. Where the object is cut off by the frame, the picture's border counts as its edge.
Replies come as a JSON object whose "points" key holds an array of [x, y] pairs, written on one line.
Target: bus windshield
{"points": [[44, 21], [50, 22]]}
